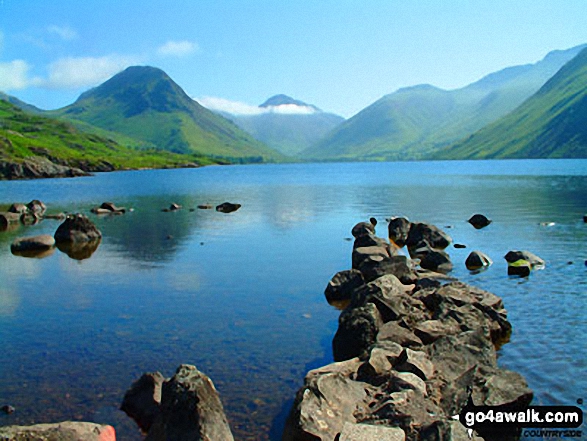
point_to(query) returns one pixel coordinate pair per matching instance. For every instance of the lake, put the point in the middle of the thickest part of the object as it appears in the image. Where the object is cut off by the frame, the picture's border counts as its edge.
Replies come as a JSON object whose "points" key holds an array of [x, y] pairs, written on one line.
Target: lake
{"points": [[240, 295]]}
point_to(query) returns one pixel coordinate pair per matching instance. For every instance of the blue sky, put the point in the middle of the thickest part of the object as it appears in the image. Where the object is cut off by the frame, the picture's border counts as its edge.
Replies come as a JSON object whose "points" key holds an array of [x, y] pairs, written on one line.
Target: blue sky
{"points": [[339, 55]]}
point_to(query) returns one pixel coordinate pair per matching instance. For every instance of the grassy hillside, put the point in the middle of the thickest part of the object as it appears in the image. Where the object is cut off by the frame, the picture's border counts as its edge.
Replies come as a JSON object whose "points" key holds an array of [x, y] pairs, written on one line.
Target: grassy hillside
{"points": [[550, 124], [24, 135], [144, 104], [415, 122]]}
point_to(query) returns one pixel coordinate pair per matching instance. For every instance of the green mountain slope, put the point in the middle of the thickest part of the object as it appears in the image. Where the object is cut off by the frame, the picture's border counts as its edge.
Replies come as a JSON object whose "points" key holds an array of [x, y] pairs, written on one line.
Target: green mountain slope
{"points": [[414, 122], [550, 124], [25, 136], [145, 104], [287, 132]]}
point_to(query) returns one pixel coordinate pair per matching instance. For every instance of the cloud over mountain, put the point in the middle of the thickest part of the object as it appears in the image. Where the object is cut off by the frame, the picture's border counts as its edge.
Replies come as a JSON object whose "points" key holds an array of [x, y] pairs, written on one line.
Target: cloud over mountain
{"points": [[239, 108]]}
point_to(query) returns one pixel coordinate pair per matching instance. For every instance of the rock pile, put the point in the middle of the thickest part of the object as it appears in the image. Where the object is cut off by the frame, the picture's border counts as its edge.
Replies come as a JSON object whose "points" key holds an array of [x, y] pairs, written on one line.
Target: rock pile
{"points": [[411, 350]]}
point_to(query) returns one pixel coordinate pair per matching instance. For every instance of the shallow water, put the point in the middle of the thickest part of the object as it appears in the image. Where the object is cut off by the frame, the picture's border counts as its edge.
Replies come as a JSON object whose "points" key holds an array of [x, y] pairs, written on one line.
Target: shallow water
{"points": [[240, 295]]}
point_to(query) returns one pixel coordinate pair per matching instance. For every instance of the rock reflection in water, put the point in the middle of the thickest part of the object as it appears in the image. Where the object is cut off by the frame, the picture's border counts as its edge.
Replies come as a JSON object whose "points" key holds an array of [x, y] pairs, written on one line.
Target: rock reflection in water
{"points": [[79, 250]]}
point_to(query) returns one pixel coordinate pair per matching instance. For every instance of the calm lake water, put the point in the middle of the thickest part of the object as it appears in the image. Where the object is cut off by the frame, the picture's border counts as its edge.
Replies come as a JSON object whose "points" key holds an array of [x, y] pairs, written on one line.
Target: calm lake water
{"points": [[240, 295]]}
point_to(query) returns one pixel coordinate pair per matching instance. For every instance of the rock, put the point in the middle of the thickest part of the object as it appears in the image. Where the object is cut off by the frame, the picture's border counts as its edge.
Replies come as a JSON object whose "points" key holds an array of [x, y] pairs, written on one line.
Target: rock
{"points": [[394, 332], [477, 260], [37, 167], [501, 387], [367, 432], [369, 240], [66, 431], [399, 266], [77, 228], [357, 330], [36, 206], [436, 260], [343, 284], [431, 330], [35, 243], [459, 245], [585, 218], [323, 406], [363, 228], [7, 409], [535, 261], [18, 208], [433, 235], [416, 362], [8, 218], [368, 254], [479, 221], [57, 216], [108, 208], [205, 206], [398, 229], [142, 401], [190, 409], [227, 207], [521, 268]]}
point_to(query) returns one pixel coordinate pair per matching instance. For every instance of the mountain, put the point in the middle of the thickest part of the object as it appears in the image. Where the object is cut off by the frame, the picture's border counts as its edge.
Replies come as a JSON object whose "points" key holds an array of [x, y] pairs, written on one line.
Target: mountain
{"points": [[145, 104], [287, 125], [414, 122], [20, 104], [32, 145], [550, 124]]}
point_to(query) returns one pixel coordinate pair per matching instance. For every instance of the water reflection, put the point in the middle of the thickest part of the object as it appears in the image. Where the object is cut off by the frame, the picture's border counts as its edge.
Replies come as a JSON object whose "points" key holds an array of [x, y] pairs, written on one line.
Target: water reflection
{"points": [[34, 254], [79, 250]]}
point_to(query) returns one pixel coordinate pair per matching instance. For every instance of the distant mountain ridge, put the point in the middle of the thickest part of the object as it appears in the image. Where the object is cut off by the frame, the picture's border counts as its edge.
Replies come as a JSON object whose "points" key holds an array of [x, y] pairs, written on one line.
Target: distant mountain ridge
{"points": [[287, 125], [145, 104], [415, 122], [550, 124]]}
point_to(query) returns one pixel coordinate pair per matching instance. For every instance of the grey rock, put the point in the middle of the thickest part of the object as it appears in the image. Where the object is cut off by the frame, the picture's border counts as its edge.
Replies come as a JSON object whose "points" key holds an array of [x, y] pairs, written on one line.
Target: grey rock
{"points": [[436, 260], [36, 206], [394, 332], [342, 285], [431, 330], [18, 208], [416, 362], [77, 228], [190, 410], [65, 431], [433, 235], [370, 254], [142, 401], [34, 243], [368, 432], [399, 266]]}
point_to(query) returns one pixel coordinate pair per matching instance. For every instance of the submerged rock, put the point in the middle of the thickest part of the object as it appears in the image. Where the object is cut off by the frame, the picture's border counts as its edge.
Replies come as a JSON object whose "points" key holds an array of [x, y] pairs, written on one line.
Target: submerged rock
{"points": [[108, 208], [514, 256]]}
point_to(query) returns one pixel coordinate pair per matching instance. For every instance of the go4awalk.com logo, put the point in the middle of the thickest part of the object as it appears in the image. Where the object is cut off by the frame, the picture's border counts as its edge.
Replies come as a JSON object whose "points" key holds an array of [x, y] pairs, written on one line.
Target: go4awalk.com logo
{"points": [[530, 421]]}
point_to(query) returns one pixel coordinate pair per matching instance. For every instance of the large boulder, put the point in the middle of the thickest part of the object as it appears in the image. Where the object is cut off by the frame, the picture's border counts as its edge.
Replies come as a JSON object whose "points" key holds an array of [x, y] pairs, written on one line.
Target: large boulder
{"points": [[18, 208], [436, 260], [363, 228], [77, 228], [191, 410], [399, 266], [65, 431], [369, 432], [108, 208], [36, 206]]}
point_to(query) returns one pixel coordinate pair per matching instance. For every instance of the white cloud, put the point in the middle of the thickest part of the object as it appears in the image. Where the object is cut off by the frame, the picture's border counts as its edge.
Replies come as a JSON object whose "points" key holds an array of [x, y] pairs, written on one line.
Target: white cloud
{"points": [[233, 107], [64, 32], [72, 73], [177, 48], [240, 108], [14, 75]]}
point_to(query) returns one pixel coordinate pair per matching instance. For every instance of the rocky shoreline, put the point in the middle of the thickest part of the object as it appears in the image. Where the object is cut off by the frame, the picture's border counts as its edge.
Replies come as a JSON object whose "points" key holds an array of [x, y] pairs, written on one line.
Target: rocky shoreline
{"points": [[412, 349]]}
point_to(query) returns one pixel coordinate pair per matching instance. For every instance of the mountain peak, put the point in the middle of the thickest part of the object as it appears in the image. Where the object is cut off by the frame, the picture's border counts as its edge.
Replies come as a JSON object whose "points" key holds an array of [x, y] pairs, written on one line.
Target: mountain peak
{"points": [[284, 100]]}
